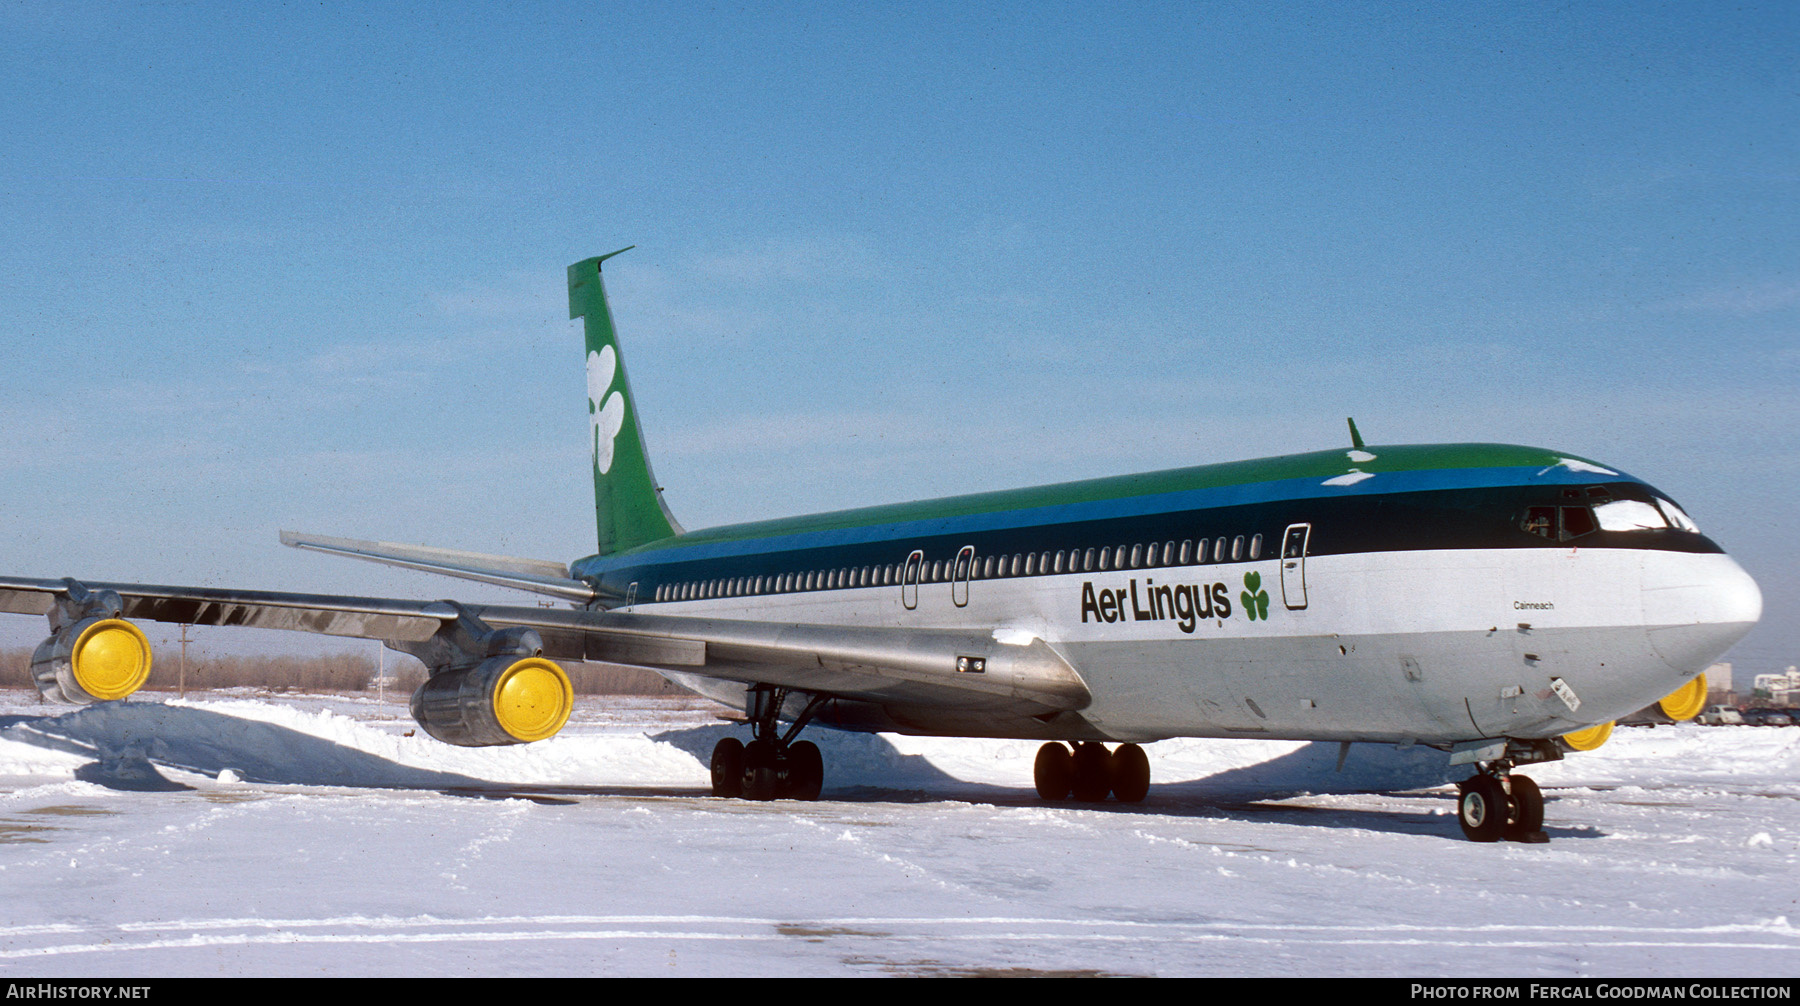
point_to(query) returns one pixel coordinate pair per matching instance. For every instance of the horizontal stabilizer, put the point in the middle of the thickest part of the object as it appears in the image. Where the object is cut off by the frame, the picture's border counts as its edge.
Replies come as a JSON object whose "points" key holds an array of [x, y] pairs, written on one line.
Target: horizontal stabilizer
{"points": [[539, 576]]}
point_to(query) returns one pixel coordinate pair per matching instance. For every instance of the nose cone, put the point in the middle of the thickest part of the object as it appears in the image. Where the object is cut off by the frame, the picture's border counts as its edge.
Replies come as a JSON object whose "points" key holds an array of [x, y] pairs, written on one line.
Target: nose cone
{"points": [[1697, 606]]}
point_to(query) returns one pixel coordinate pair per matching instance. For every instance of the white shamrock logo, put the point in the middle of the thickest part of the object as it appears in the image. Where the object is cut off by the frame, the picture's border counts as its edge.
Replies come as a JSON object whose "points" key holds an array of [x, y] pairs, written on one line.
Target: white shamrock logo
{"points": [[605, 419]]}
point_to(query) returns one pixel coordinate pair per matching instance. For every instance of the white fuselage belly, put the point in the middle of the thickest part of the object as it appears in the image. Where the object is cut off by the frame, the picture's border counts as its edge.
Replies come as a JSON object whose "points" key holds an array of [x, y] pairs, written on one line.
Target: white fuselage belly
{"points": [[1427, 646]]}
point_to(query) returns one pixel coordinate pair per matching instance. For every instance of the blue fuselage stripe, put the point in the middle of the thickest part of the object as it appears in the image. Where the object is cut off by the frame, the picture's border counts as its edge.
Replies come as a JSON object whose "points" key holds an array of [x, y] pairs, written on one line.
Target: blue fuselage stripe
{"points": [[1395, 484]]}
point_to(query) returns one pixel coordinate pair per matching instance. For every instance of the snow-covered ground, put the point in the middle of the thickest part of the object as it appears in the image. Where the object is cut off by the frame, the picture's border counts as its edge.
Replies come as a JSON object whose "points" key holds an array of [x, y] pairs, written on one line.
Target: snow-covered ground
{"points": [[313, 836]]}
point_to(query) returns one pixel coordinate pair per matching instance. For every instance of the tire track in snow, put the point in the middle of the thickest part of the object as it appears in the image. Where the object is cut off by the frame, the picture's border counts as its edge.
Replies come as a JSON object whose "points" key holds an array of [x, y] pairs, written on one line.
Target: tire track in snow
{"points": [[1774, 935]]}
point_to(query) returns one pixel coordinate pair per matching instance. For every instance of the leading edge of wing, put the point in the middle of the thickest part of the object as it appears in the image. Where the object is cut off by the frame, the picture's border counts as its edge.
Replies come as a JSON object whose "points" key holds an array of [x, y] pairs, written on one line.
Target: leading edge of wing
{"points": [[929, 667], [934, 667], [329, 614]]}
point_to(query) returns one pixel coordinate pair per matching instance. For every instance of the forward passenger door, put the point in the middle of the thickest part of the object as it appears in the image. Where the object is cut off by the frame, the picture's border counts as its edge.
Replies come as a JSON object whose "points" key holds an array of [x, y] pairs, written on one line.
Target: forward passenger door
{"points": [[1293, 565]]}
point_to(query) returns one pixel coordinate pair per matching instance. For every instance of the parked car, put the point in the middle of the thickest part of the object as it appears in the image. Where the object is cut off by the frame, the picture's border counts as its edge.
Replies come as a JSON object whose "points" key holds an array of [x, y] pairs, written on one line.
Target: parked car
{"points": [[1767, 718], [1721, 716]]}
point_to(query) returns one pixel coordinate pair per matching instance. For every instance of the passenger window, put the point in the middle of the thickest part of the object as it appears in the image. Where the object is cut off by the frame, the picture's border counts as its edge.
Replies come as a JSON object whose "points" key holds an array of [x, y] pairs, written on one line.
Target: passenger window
{"points": [[1219, 549], [1256, 546], [1237, 548], [1150, 554]]}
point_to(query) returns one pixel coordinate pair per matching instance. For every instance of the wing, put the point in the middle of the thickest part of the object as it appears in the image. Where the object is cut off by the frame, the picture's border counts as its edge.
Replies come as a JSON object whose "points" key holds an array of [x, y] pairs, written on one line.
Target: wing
{"points": [[940, 674]]}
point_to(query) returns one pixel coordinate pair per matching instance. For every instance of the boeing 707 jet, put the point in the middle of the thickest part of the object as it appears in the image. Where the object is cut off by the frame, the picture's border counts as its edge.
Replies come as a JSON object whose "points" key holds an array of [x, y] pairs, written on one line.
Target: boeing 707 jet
{"points": [[1501, 603]]}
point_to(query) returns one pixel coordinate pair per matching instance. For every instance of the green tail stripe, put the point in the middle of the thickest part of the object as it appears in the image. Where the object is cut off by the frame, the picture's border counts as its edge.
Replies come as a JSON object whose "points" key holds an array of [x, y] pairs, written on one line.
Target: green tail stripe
{"points": [[628, 507]]}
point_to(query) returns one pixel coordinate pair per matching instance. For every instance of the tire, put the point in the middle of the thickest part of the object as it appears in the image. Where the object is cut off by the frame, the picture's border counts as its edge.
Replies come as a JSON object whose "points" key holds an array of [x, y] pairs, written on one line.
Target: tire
{"points": [[1527, 806], [1093, 772], [728, 768], [762, 772], [1053, 772], [1481, 809], [805, 771], [1130, 774]]}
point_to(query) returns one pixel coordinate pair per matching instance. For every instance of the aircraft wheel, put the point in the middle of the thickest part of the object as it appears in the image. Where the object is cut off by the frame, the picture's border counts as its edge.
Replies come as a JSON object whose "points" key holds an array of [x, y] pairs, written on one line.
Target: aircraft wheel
{"points": [[1527, 818], [762, 771], [1130, 773], [1481, 809], [805, 771], [1053, 772], [1093, 772], [728, 768]]}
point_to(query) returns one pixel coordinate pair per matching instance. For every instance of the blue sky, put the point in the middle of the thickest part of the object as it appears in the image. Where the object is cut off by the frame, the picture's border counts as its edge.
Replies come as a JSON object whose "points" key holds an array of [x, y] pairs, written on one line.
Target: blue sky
{"points": [[303, 266]]}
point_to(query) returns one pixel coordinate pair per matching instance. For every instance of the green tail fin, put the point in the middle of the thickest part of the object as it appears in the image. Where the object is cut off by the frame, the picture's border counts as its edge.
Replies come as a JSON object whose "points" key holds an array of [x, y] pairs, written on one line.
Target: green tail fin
{"points": [[628, 506]]}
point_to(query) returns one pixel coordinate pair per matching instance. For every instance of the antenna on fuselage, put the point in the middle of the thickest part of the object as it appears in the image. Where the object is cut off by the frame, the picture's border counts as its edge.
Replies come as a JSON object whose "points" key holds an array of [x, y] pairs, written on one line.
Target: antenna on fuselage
{"points": [[1355, 437]]}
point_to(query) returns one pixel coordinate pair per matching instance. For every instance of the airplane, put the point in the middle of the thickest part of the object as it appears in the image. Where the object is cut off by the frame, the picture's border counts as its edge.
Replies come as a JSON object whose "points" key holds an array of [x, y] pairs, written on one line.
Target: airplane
{"points": [[1500, 603]]}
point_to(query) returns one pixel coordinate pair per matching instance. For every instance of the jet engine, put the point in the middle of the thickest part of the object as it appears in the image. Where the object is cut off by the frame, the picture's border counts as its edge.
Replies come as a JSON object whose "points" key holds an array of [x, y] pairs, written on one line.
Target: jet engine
{"points": [[93, 659], [1685, 703], [1590, 738], [92, 654], [488, 686], [502, 700]]}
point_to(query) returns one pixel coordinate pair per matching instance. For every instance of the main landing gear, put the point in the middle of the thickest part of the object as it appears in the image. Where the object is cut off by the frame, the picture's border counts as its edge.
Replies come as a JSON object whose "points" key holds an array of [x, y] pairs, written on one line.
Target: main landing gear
{"points": [[1495, 803], [771, 766], [1090, 772]]}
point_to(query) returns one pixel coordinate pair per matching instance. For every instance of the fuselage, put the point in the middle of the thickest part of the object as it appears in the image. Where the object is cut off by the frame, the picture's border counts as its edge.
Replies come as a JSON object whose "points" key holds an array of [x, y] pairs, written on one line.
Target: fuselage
{"points": [[1426, 593]]}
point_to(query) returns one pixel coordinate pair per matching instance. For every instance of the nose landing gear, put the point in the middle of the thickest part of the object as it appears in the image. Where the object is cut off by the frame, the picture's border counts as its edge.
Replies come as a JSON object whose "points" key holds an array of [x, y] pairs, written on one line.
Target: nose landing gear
{"points": [[771, 766], [1494, 803], [1490, 807], [1091, 772]]}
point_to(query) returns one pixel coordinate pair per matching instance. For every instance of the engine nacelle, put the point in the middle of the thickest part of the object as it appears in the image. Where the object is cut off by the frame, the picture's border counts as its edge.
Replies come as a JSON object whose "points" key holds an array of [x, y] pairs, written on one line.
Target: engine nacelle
{"points": [[1685, 703], [93, 659], [502, 700], [1590, 738]]}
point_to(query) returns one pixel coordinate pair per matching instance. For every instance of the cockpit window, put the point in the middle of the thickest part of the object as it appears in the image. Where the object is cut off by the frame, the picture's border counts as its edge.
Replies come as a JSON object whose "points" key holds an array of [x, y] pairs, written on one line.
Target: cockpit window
{"points": [[1677, 516], [1629, 515], [1558, 523], [1576, 521]]}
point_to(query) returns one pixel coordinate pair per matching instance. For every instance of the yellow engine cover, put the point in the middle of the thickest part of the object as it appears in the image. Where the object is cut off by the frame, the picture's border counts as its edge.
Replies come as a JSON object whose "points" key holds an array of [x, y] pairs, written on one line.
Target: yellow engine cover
{"points": [[1685, 703], [533, 699], [1589, 739], [110, 659]]}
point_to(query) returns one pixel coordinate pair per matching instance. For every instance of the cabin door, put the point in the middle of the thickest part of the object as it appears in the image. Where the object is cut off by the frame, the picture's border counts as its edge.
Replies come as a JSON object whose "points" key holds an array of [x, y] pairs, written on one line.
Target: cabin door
{"points": [[959, 576], [1293, 565], [909, 579]]}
